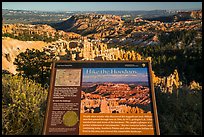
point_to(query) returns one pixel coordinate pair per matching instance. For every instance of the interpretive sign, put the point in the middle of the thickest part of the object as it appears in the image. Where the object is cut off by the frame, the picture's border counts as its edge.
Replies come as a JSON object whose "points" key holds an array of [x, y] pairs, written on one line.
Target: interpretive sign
{"points": [[101, 98]]}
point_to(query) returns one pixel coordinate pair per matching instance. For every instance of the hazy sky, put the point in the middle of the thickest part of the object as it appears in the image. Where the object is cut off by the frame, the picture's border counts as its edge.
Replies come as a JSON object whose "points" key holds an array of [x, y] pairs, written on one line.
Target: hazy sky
{"points": [[100, 6]]}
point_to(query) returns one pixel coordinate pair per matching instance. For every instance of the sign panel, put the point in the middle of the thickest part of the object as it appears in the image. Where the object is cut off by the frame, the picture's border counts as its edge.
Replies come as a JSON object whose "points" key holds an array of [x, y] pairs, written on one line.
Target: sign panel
{"points": [[101, 98]]}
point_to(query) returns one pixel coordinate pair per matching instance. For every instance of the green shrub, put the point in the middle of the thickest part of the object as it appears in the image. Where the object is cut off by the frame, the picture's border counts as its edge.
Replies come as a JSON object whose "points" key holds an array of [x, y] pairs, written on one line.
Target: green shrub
{"points": [[23, 106], [180, 114]]}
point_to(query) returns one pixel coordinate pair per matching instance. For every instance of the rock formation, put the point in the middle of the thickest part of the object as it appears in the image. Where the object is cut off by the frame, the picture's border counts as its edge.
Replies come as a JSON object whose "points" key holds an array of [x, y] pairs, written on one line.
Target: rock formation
{"points": [[195, 86], [12, 47], [167, 84]]}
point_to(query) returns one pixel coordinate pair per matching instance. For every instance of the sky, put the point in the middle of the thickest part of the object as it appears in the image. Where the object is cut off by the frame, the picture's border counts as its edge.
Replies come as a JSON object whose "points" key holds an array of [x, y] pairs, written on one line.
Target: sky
{"points": [[114, 74], [100, 6]]}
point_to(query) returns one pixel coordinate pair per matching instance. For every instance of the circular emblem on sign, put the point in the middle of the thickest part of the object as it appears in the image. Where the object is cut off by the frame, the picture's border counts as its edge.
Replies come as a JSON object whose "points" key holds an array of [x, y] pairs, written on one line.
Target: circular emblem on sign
{"points": [[70, 118]]}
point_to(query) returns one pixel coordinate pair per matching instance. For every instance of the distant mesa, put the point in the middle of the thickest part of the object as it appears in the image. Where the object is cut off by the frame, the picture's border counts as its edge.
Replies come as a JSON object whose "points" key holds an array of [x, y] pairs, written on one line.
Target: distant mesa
{"points": [[64, 25], [180, 16]]}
